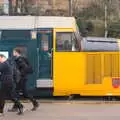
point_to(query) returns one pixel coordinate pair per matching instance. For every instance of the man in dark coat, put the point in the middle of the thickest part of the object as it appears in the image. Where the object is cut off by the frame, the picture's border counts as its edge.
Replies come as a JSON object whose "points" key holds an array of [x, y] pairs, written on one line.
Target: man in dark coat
{"points": [[22, 65], [7, 87]]}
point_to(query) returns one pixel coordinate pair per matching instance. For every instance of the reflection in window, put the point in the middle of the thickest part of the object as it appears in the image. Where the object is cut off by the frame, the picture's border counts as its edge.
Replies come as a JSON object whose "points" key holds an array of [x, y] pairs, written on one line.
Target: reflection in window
{"points": [[66, 42], [44, 42]]}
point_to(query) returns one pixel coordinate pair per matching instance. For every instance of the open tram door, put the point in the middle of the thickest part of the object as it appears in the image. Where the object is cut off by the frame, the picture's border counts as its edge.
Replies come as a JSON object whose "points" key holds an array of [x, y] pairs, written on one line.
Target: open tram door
{"points": [[44, 58]]}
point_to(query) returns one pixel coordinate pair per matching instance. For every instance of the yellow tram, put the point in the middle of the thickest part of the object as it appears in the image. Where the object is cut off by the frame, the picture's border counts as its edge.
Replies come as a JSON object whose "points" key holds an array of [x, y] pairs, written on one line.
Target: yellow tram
{"points": [[63, 61]]}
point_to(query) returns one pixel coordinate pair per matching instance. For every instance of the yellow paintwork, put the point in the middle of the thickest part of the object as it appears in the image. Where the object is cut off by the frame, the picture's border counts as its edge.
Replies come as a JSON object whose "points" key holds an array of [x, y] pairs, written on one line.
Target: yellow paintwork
{"points": [[71, 72]]}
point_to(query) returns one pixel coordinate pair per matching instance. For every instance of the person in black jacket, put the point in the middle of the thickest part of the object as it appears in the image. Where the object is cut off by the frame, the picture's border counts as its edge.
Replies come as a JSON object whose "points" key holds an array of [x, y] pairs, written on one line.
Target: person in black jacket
{"points": [[7, 87], [22, 65]]}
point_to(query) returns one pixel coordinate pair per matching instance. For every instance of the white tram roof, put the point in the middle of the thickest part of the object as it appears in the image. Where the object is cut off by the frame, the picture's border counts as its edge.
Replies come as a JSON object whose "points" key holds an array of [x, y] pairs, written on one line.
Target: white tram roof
{"points": [[31, 22]]}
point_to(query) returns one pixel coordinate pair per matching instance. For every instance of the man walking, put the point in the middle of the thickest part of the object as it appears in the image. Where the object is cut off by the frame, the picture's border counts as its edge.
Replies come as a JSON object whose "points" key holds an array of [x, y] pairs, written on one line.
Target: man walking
{"points": [[24, 68], [7, 87]]}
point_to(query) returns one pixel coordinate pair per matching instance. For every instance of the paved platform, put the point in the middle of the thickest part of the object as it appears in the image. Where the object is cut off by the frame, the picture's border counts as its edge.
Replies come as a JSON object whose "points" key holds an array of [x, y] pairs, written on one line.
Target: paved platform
{"points": [[66, 111]]}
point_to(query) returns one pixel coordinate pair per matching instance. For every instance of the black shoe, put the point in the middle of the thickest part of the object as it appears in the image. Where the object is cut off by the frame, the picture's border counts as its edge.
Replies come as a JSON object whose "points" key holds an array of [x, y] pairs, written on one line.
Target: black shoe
{"points": [[1, 111], [20, 110], [35, 105]]}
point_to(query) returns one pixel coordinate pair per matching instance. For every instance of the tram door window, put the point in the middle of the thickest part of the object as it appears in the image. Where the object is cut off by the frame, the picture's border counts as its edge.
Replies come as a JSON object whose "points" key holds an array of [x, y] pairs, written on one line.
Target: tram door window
{"points": [[44, 42], [45, 54]]}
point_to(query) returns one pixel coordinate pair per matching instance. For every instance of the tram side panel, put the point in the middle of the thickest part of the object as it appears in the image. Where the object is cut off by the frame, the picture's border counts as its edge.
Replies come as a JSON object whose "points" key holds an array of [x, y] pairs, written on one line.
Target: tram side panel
{"points": [[102, 74], [87, 74]]}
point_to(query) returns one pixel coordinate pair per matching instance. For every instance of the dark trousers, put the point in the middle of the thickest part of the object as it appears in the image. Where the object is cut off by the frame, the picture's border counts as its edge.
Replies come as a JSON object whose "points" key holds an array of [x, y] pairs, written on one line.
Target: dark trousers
{"points": [[21, 87], [7, 91]]}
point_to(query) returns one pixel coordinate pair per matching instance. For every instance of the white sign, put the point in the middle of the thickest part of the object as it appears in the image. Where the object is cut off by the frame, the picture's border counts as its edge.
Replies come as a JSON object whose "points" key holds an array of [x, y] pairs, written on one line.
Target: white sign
{"points": [[5, 53], [34, 34]]}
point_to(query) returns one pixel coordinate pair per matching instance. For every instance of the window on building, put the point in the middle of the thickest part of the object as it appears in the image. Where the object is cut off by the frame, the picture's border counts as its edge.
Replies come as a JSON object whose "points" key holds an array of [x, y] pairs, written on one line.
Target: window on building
{"points": [[66, 42]]}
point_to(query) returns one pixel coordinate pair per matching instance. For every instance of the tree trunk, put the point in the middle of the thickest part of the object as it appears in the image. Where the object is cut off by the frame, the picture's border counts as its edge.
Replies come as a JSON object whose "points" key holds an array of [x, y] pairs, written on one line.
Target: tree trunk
{"points": [[16, 7], [26, 6], [10, 8]]}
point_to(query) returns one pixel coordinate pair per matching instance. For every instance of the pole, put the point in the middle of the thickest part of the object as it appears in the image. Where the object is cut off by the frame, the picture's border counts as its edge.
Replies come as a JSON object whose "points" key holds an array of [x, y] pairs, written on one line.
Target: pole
{"points": [[106, 31], [70, 7]]}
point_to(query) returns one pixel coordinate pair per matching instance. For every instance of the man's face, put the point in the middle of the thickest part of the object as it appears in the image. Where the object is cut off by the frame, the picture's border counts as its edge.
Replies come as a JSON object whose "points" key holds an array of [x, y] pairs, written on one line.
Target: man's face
{"points": [[15, 53]]}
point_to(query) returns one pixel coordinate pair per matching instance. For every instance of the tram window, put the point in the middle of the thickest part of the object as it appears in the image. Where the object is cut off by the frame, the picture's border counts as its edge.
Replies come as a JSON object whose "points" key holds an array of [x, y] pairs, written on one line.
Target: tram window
{"points": [[16, 35], [44, 42], [66, 42]]}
